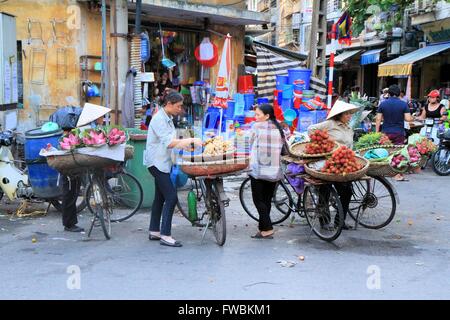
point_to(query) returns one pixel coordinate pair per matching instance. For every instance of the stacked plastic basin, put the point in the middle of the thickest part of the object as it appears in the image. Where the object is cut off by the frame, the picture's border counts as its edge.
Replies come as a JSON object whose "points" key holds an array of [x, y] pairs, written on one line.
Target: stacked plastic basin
{"points": [[44, 180]]}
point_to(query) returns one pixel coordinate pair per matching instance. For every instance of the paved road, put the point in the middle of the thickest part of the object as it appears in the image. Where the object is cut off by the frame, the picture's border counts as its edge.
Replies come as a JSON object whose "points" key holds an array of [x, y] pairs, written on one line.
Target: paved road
{"points": [[411, 257]]}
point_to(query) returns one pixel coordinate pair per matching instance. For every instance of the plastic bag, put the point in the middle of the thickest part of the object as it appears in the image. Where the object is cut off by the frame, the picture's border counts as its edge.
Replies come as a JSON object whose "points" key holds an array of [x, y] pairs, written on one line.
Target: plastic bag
{"points": [[66, 117]]}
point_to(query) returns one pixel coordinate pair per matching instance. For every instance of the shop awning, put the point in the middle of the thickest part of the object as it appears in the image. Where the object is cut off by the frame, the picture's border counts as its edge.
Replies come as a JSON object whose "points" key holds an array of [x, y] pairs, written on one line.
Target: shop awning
{"points": [[371, 56], [402, 66], [345, 55], [197, 12]]}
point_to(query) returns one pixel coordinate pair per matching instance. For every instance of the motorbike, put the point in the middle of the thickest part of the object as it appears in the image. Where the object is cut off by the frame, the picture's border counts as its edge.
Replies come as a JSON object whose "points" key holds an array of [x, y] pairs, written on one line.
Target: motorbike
{"points": [[431, 129], [440, 160], [14, 183]]}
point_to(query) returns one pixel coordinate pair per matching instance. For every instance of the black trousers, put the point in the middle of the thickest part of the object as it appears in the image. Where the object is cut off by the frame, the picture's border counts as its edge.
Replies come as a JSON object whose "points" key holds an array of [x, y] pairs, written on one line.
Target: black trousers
{"points": [[71, 186], [164, 203], [344, 190], [262, 193]]}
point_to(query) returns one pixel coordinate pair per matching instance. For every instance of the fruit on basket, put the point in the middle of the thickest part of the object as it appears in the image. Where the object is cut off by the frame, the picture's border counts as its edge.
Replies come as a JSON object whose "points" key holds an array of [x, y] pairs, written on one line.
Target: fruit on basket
{"points": [[414, 156], [370, 139], [399, 162], [217, 146], [320, 142], [343, 161]]}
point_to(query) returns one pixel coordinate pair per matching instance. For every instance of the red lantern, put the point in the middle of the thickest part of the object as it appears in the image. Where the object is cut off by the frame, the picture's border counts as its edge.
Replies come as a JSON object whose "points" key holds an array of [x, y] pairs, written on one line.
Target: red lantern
{"points": [[207, 53]]}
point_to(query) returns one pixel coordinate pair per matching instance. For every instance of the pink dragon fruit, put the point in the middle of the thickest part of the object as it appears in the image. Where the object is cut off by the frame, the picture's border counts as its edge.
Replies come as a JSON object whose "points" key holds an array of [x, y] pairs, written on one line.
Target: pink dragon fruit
{"points": [[70, 142], [116, 137]]}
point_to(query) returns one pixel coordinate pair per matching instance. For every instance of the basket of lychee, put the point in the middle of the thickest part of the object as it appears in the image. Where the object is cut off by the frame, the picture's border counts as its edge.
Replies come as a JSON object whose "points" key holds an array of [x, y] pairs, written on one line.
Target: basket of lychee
{"points": [[343, 165], [320, 145]]}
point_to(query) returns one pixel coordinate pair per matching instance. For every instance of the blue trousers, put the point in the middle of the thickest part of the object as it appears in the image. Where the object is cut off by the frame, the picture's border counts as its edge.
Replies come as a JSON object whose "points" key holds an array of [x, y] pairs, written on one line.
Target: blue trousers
{"points": [[164, 203]]}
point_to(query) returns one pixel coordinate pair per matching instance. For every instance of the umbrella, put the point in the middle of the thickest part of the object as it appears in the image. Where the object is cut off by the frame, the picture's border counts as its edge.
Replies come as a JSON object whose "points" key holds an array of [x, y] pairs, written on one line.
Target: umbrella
{"points": [[223, 79]]}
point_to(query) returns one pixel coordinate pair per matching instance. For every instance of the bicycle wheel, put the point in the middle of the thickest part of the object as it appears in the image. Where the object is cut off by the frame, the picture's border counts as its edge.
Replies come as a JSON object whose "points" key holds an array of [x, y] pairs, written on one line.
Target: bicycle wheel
{"points": [[98, 204], [282, 202], [323, 212], [440, 162], [125, 195], [218, 220], [375, 201]]}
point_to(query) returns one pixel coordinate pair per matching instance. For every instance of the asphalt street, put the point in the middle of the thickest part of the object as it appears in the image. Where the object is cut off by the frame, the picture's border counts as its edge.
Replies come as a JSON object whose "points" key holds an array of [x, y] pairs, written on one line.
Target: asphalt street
{"points": [[408, 259]]}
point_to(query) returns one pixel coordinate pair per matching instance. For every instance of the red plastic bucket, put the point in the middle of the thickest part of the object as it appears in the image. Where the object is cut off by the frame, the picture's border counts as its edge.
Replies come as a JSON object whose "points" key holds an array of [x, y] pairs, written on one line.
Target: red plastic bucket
{"points": [[245, 84]]}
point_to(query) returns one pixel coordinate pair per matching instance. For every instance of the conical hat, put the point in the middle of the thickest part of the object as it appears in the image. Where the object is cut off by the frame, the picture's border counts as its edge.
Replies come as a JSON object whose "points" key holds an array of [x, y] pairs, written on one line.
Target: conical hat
{"points": [[341, 107], [91, 112]]}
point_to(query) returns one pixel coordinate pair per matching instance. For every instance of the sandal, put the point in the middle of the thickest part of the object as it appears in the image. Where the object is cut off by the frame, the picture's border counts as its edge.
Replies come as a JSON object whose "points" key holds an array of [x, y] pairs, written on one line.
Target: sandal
{"points": [[170, 244], [260, 236], [152, 237]]}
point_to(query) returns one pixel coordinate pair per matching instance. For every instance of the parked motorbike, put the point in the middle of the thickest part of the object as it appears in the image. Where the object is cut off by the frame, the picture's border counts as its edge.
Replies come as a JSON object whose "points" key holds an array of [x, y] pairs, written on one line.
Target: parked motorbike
{"points": [[431, 129], [441, 158], [14, 183]]}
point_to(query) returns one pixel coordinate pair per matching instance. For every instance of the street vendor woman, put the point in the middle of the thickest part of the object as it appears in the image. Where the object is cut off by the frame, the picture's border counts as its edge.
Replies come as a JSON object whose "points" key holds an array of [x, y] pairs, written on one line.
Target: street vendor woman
{"points": [[92, 115], [338, 127], [161, 139]]}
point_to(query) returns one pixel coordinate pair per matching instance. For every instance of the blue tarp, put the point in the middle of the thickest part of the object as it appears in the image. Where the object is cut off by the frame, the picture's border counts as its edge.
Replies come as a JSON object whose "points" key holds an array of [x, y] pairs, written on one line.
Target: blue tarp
{"points": [[371, 56]]}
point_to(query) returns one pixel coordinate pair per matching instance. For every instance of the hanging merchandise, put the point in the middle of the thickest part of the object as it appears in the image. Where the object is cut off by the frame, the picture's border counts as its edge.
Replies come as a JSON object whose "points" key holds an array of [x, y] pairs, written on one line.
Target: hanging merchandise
{"points": [[166, 62], [207, 53], [145, 47], [223, 77]]}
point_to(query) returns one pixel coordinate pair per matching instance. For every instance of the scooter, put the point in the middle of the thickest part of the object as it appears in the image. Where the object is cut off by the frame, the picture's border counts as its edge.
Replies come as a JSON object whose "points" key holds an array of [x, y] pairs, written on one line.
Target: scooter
{"points": [[14, 182], [431, 129], [440, 160]]}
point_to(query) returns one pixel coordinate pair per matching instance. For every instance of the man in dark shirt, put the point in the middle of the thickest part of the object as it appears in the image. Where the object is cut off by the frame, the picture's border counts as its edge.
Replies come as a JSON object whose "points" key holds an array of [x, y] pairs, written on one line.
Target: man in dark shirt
{"points": [[393, 112]]}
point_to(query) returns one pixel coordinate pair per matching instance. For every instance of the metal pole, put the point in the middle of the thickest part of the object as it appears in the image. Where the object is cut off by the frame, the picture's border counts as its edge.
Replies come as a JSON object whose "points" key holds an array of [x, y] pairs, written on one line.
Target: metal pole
{"points": [[103, 85], [331, 71], [138, 16]]}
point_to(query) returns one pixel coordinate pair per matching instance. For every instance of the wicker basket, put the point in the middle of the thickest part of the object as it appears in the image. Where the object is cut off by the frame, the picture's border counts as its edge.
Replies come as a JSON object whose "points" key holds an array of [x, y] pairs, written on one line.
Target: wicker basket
{"points": [[77, 163], [208, 158], [382, 168], [340, 178], [214, 167], [298, 150]]}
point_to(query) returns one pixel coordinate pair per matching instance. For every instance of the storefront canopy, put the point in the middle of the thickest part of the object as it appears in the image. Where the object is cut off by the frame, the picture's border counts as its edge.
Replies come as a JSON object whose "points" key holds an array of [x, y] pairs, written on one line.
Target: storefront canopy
{"points": [[402, 66], [371, 56], [182, 10], [345, 55]]}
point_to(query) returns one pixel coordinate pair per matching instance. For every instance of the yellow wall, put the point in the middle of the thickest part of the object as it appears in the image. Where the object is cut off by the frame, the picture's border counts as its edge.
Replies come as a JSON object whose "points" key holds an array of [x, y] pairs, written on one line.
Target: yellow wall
{"points": [[59, 81]]}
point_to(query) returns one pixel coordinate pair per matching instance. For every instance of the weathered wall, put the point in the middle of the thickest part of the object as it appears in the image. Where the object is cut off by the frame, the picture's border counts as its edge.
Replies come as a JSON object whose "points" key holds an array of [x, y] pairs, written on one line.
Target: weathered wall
{"points": [[59, 77]]}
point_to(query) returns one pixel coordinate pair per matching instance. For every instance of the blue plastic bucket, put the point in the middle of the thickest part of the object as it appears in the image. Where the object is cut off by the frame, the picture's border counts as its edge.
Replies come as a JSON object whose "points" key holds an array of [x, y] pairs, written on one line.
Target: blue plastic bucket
{"points": [[305, 120], [249, 100], [289, 116], [280, 97], [44, 180], [288, 91], [300, 74], [263, 100], [287, 104], [281, 80], [211, 119], [229, 112]]}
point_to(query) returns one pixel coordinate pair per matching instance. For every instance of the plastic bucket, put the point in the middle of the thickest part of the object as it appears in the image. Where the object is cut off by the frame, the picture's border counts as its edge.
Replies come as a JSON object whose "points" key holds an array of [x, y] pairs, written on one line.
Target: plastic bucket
{"points": [[279, 97], [211, 120], [245, 84], [300, 74], [263, 100], [229, 111], [281, 80], [289, 116], [286, 104], [249, 117], [288, 91], [43, 179], [249, 100]]}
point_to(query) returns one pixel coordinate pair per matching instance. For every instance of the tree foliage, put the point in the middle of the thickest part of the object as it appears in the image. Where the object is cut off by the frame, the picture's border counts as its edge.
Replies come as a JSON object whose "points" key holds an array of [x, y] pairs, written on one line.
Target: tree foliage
{"points": [[360, 10]]}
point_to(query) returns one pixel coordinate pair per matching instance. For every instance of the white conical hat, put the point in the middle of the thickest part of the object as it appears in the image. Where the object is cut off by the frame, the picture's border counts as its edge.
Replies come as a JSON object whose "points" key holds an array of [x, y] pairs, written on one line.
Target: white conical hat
{"points": [[341, 107], [91, 112]]}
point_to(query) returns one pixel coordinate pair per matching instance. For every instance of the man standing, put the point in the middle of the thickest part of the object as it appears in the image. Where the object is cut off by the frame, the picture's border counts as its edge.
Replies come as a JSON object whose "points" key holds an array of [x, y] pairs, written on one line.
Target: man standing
{"points": [[393, 112]]}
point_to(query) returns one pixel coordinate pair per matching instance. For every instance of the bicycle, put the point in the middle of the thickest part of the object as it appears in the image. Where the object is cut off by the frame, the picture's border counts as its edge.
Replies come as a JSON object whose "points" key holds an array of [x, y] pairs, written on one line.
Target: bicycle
{"points": [[283, 202], [210, 190], [124, 191]]}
